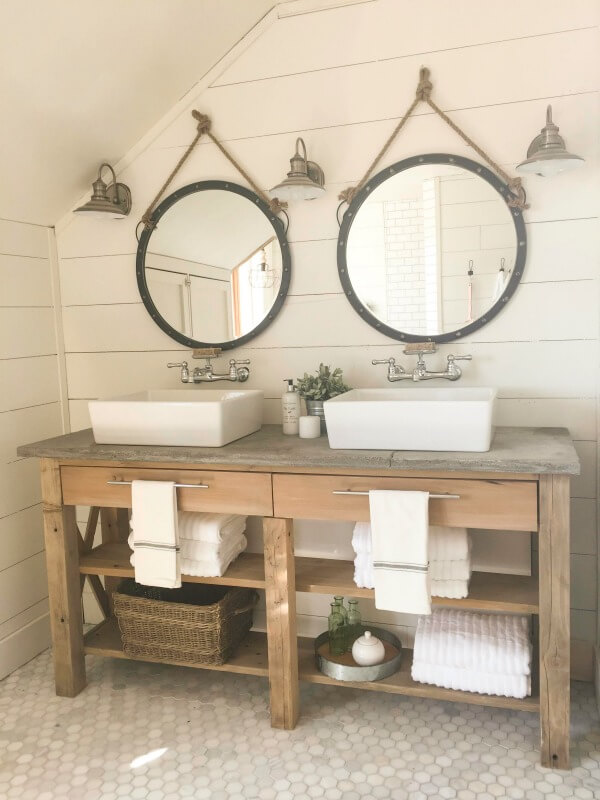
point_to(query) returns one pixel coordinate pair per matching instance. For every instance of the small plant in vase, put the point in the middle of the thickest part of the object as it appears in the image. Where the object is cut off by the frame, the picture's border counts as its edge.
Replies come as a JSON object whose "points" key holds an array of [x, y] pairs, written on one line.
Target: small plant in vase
{"points": [[317, 388]]}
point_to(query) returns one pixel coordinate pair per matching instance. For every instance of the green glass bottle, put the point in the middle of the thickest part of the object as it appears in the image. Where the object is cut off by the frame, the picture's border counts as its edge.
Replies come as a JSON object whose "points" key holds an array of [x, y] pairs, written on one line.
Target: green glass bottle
{"points": [[337, 632], [339, 602], [354, 626]]}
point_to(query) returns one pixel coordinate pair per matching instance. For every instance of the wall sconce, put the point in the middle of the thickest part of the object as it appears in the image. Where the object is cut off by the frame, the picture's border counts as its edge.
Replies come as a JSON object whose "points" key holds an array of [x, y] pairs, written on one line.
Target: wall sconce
{"points": [[113, 199], [304, 181], [547, 154]]}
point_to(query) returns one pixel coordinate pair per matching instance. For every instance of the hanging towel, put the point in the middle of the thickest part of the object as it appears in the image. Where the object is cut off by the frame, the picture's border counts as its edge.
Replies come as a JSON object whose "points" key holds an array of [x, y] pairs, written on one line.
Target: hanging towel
{"points": [[497, 643], [399, 533], [214, 528], [455, 590], [448, 544], [500, 283], [155, 533], [472, 680]]}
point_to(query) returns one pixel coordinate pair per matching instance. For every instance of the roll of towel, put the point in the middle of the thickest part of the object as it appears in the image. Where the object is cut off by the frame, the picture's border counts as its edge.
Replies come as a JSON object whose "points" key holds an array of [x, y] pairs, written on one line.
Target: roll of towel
{"points": [[494, 643]]}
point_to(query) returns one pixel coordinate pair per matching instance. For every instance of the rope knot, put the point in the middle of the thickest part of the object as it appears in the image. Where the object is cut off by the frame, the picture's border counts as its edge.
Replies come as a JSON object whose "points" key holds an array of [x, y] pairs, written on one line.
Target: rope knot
{"points": [[425, 86], [347, 195], [203, 121], [518, 198], [276, 205]]}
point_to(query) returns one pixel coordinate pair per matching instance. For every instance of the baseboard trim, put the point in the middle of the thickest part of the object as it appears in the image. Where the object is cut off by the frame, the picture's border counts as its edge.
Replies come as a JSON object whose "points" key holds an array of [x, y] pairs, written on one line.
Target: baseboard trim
{"points": [[24, 644]]}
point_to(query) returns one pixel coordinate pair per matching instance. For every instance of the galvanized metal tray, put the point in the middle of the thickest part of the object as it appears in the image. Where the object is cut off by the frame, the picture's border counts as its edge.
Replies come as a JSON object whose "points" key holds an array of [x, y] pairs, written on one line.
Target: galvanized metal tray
{"points": [[352, 672]]}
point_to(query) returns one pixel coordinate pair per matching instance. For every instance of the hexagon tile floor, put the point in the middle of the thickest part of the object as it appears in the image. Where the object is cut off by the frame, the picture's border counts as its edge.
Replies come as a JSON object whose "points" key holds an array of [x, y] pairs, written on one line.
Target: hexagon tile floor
{"points": [[152, 732]]}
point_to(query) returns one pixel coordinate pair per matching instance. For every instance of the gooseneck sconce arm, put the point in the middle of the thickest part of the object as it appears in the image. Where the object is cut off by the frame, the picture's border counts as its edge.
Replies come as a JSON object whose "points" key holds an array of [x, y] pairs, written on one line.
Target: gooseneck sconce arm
{"points": [[113, 199], [305, 180], [547, 154]]}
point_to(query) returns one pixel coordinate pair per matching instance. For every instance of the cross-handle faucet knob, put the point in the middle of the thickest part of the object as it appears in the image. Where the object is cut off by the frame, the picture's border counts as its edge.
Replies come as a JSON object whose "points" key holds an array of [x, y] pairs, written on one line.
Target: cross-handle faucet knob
{"points": [[390, 361], [234, 362], [451, 359], [237, 372]]}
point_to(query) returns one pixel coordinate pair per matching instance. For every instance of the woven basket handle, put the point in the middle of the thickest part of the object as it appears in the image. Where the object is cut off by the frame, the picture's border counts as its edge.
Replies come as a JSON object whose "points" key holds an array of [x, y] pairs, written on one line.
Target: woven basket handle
{"points": [[248, 607]]}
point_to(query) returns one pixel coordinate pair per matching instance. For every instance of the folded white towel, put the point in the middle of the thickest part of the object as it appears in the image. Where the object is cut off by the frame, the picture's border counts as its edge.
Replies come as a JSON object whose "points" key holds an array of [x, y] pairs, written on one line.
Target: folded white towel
{"points": [[497, 643], [155, 533], [448, 544], [453, 589], [205, 551], [204, 527], [450, 570], [399, 534], [472, 680], [361, 538], [208, 568], [364, 577]]}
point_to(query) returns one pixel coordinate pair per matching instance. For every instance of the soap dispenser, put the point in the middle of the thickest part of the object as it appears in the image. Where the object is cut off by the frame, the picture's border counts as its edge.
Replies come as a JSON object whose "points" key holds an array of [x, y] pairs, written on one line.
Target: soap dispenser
{"points": [[290, 408]]}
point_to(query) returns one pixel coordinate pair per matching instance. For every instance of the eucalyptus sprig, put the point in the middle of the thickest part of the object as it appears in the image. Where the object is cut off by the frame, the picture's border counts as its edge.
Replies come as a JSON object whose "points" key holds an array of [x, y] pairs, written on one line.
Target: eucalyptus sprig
{"points": [[322, 386]]}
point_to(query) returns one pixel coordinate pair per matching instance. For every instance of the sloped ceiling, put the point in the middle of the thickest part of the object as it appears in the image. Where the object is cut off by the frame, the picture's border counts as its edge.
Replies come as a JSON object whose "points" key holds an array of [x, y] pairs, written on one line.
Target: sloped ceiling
{"points": [[82, 80]]}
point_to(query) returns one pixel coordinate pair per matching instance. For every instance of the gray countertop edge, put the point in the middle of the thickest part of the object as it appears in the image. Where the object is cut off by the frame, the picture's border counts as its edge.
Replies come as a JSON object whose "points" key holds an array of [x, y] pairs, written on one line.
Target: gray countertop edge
{"points": [[516, 450]]}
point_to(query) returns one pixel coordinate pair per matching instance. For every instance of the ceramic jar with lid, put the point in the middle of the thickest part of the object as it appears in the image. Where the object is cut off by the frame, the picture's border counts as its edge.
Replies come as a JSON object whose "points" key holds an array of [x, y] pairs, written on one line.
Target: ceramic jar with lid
{"points": [[368, 650]]}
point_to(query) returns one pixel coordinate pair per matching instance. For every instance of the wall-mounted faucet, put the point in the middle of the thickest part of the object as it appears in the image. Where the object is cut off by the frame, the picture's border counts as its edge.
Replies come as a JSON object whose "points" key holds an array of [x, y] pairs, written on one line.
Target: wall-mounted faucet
{"points": [[396, 372], [206, 375]]}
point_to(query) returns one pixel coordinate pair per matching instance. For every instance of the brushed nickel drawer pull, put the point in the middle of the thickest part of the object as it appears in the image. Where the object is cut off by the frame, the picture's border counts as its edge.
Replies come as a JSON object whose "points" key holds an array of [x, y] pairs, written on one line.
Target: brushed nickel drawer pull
{"points": [[177, 485], [431, 496]]}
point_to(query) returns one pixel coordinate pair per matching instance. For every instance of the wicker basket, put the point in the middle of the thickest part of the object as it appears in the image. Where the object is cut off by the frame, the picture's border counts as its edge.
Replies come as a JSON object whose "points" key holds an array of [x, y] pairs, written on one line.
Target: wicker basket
{"points": [[204, 633]]}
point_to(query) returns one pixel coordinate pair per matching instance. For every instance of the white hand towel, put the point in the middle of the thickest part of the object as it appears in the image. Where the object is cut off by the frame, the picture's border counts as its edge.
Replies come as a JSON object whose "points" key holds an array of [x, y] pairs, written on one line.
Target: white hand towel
{"points": [[361, 538], [448, 544], [481, 642], [204, 527], [454, 589], [363, 571], [450, 570], [155, 533], [205, 551], [399, 534], [472, 680], [215, 567]]}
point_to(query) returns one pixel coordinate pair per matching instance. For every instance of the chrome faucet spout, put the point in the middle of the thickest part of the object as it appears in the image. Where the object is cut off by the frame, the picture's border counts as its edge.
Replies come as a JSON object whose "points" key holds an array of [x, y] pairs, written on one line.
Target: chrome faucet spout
{"points": [[205, 374]]}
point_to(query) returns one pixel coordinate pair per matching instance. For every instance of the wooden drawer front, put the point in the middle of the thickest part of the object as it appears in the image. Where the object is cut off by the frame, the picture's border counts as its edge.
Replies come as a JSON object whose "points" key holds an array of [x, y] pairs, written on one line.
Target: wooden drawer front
{"points": [[233, 492], [493, 504]]}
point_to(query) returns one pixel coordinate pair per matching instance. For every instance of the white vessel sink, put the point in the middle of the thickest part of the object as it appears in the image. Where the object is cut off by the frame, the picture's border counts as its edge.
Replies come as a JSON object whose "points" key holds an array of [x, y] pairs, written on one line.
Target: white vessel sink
{"points": [[411, 419], [181, 417]]}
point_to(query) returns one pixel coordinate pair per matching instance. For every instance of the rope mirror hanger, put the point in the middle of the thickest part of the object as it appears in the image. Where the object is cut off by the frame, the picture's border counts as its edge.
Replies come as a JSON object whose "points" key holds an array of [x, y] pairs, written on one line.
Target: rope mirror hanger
{"points": [[204, 128], [516, 197]]}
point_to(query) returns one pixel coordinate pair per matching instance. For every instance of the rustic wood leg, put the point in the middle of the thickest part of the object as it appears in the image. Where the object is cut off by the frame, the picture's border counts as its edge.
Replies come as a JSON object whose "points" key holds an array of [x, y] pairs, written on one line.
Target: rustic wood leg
{"points": [[114, 523], [62, 558], [281, 622], [554, 569]]}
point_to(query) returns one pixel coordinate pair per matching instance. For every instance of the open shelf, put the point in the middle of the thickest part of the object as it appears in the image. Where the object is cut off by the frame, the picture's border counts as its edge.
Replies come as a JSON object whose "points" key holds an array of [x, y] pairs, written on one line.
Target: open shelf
{"points": [[249, 659], [402, 683], [488, 591]]}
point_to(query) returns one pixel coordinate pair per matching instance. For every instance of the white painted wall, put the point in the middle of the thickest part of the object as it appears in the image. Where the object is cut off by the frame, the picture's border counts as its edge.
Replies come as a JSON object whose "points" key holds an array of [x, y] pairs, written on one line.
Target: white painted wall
{"points": [[30, 410], [328, 76]]}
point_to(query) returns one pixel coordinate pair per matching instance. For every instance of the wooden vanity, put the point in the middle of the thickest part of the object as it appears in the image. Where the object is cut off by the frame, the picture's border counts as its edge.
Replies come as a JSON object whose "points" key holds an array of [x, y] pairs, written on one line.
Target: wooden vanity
{"points": [[521, 484]]}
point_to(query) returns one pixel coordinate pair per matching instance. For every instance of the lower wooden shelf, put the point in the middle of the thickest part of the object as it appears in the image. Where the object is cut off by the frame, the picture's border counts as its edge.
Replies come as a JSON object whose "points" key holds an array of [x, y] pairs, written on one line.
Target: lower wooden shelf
{"points": [[488, 591], [251, 658]]}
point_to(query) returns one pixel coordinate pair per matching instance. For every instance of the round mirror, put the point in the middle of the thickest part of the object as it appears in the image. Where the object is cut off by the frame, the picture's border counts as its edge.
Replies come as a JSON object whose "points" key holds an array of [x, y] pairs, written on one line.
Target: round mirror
{"points": [[429, 249], [213, 269]]}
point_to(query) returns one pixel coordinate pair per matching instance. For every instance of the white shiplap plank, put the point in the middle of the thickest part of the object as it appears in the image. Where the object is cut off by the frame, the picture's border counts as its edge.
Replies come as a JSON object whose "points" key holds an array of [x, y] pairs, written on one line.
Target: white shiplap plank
{"points": [[23, 619], [28, 382], [584, 589], [584, 526], [22, 585], [26, 332], [27, 425], [79, 415], [578, 415], [584, 485], [583, 625], [23, 239], [282, 48], [24, 645], [21, 536], [19, 486], [24, 281], [100, 279]]}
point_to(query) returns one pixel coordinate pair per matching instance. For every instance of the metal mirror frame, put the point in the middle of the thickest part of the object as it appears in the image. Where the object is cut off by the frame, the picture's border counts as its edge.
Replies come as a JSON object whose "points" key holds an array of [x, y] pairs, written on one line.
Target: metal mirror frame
{"points": [[400, 166], [140, 263]]}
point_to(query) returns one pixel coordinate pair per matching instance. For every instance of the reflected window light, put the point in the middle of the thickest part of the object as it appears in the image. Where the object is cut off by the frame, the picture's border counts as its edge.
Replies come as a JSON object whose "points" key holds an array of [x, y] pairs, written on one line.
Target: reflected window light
{"points": [[141, 761]]}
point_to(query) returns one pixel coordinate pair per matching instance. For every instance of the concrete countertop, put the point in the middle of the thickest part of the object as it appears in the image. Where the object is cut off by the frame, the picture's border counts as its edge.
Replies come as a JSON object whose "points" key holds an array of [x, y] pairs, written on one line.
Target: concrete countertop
{"points": [[522, 450]]}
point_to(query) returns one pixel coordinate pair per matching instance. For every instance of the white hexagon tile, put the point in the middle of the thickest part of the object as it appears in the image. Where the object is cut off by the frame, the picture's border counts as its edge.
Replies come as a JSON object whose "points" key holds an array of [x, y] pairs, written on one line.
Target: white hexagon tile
{"points": [[151, 732]]}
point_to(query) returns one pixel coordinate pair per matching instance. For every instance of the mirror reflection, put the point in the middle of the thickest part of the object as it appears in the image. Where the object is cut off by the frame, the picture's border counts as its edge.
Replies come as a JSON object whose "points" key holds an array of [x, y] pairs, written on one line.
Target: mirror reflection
{"points": [[431, 249], [213, 266]]}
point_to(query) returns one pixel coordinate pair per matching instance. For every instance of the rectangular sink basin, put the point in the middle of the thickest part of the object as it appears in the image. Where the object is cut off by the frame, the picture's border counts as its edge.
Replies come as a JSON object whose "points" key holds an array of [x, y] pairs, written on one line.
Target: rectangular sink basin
{"points": [[411, 419], [180, 417]]}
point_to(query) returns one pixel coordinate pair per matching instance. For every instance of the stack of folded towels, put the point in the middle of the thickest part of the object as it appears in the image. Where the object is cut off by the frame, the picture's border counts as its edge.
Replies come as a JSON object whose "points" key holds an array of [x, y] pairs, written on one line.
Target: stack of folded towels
{"points": [[482, 653], [449, 560], [208, 543]]}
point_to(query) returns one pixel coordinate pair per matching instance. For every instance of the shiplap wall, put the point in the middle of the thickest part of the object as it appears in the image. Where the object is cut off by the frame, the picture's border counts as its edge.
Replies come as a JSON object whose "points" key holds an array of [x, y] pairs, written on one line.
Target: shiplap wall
{"points": [[29, 410], [341, 78]]}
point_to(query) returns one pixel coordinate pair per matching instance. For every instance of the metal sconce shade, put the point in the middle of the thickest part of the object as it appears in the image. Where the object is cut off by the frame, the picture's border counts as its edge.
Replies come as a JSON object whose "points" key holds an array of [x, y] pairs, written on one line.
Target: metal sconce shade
{"points": [[547, 154], [113, 200], [304, 180]]}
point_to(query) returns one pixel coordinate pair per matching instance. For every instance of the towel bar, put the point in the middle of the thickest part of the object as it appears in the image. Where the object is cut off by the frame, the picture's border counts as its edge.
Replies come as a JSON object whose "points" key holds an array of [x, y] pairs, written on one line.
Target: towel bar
{"points": [[177, 485], [431, 496]]}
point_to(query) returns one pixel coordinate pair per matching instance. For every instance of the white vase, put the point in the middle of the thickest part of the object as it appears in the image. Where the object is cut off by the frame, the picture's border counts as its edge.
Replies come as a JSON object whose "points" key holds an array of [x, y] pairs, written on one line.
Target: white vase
{"points": [[368, 650]]}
